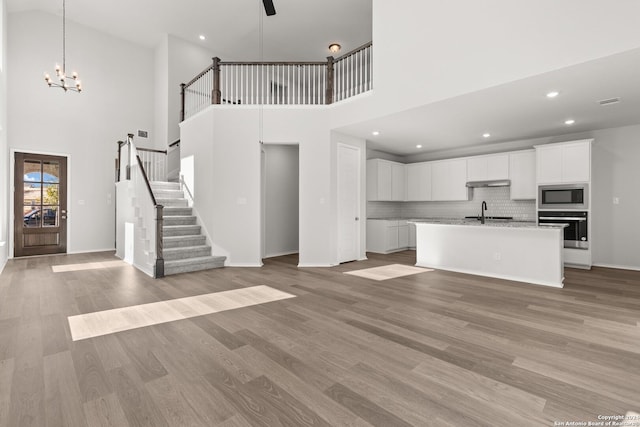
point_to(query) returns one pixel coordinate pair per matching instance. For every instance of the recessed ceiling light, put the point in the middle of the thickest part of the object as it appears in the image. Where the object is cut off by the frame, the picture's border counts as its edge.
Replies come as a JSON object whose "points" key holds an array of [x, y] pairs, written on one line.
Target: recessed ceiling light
{"points": [[553, 94], [569, 122], [418, 146], [486, 135], [375, 133], [202, 37], [334, 48]]}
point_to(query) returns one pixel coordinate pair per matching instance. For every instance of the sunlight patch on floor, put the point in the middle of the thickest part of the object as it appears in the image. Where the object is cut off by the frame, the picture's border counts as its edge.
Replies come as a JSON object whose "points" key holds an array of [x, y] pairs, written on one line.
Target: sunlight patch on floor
{"points": [[100, 323], [386, 272], [87, 266]]}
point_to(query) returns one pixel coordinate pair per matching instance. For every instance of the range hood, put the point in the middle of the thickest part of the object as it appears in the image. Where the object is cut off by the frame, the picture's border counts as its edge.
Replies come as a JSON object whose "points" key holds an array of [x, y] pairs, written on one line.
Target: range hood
{"points": [[489, 183]]}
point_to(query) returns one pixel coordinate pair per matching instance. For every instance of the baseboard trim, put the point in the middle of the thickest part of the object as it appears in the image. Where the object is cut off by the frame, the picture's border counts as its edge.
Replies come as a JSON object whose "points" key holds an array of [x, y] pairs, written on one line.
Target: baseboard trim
{"points": [[3, 265], [90, 251], [316, 265], [618, 267], [249, 265]]}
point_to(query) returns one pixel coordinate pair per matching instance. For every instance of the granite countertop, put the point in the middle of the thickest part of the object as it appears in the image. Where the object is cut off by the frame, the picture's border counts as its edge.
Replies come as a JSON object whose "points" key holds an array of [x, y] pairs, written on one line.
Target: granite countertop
{"points": [[489, 223]]}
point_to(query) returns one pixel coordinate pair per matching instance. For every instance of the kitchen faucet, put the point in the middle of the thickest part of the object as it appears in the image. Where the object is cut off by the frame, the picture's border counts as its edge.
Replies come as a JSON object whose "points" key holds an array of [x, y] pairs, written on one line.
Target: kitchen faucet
{"points": [[482, 209]]}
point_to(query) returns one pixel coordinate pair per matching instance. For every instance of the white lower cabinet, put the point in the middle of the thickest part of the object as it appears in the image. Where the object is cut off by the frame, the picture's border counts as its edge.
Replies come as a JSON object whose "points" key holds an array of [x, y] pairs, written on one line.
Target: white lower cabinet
{"points": [[385, 236]]}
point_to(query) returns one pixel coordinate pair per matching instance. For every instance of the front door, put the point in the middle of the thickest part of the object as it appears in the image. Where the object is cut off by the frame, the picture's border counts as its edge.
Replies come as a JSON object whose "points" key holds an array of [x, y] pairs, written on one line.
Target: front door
{"points": [[40, 205]]}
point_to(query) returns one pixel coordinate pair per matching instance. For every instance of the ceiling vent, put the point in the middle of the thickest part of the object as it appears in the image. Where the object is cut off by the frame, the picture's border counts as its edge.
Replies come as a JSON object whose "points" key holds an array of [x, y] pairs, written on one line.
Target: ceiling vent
{"points": [[609, 101]]}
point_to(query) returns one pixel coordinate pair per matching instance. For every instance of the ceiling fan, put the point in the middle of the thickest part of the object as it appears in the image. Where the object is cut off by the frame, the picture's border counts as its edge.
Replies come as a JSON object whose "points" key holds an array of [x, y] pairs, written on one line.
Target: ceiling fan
{"points": [[269, 8]]}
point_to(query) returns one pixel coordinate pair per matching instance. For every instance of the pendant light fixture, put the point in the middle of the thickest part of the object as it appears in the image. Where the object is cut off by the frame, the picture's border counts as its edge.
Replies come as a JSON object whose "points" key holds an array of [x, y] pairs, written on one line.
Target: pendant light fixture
{"points": [[63, 81]]}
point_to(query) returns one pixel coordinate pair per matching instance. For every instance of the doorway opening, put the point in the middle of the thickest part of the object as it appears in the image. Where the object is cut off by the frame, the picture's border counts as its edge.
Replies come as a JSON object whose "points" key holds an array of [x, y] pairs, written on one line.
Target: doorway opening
{"points": [[40, 204], [280, 199]]}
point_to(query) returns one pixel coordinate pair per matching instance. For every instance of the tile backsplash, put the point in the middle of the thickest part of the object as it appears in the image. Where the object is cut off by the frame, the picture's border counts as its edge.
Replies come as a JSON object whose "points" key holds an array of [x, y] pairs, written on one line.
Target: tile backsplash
{"points": [[497, 198]]}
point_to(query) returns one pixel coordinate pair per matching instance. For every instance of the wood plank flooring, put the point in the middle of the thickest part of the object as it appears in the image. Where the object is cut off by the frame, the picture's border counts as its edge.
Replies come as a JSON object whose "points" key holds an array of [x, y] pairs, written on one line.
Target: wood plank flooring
{"points": [[429, 349]]}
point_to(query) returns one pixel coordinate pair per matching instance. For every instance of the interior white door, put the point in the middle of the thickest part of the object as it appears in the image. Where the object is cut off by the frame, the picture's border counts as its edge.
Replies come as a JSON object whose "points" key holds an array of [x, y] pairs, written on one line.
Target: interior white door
{"points": [[348, 203]]}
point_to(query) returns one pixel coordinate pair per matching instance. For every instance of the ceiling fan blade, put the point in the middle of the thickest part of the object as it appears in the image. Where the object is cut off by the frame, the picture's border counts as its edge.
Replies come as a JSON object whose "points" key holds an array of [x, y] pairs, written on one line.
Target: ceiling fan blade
{"points": [[269, 8]]}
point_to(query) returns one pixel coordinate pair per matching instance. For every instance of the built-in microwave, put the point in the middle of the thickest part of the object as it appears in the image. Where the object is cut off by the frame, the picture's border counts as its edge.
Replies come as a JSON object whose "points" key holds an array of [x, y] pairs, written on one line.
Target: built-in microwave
{"points": [[563, 196]]}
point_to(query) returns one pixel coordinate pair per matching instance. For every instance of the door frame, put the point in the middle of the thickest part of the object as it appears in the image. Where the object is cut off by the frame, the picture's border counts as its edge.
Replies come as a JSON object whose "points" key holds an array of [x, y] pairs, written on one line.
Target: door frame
{"points": [[12, 170], [263, 190], [361, 212]]}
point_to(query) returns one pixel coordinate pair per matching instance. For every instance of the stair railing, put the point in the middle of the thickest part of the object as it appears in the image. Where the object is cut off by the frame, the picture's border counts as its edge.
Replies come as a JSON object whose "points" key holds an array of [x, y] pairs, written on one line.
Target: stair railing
{"points": [[147, 239], [279, 83]]}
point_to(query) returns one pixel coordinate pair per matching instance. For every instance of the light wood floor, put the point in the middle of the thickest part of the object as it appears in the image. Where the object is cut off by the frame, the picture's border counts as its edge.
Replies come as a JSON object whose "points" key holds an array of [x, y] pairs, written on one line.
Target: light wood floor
{"points": [[435, 348]]}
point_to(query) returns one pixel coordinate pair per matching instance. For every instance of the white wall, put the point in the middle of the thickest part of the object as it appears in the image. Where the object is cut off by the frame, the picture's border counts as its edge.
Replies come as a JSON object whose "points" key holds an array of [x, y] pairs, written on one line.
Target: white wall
{"points": [[160, 135], [616, 235], [117, 98], [459, 46], [225, 144], [185, 61], [281, 176], [4, 152]]}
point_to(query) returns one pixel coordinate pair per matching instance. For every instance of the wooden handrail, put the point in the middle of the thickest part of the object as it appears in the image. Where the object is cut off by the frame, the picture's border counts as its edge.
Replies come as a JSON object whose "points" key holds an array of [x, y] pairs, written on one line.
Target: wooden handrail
{"points": [[273, 63], [146, 180], [334, 70], [151, 150], [354, 51]]}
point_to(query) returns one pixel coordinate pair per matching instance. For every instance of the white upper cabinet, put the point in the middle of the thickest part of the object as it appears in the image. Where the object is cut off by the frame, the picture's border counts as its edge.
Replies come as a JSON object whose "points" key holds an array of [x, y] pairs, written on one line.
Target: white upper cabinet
{"points": [[522, 173], [564, 162], [398, 182], [419, 182], [483, 168], [386, 181], [449, 179], [576, 162]]}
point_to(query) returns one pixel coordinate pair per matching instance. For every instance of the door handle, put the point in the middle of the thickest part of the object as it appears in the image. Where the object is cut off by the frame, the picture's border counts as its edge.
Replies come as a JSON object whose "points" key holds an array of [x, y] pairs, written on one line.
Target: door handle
{"points": [[357, 219]]}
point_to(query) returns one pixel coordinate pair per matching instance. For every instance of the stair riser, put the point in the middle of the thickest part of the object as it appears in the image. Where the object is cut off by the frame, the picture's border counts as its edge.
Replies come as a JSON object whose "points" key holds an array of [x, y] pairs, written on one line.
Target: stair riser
{"points": [[176, 211], [193, 267], [168, 194], [190, 231], [194, 241], [165, 186], [180, 203], [168, 220], [189, 253]]}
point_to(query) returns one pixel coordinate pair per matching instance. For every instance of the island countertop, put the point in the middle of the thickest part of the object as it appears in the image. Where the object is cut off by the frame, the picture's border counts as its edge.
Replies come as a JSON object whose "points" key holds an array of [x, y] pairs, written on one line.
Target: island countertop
{"points": [[488, 223], [511, 250]]}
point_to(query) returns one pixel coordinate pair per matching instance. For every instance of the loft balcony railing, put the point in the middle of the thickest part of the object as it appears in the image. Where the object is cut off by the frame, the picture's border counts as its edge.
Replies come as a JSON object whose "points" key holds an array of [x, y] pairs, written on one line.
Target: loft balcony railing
{"points": [[279, 83]]}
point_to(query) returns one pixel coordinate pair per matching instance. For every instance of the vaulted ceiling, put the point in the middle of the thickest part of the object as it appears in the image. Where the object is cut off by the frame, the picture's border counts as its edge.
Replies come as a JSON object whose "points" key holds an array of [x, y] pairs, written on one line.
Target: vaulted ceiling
{"points": [[301, 29]]}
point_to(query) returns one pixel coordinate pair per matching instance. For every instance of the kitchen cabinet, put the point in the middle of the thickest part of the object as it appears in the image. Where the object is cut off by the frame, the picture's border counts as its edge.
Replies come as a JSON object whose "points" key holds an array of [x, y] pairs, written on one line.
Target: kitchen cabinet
{"points": [[565, 162], [386, 180], [419, 182], [483, 168], [449, 179], [398, 182], [522, 173], [385, 236]]}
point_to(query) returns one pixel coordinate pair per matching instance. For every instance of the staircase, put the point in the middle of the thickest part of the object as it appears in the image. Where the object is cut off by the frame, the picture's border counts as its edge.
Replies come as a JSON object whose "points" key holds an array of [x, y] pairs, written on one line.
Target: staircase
{"points": [[184, 246]]}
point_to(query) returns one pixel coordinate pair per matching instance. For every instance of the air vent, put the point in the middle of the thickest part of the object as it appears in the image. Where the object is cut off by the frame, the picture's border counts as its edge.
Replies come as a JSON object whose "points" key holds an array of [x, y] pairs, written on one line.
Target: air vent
{"points": [[609, 101], [143, 133]]}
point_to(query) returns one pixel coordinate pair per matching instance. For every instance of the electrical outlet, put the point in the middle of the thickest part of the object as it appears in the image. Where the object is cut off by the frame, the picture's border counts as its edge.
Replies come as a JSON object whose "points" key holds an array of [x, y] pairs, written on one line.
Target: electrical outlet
{"points": [[616, 200], [497, 256]]}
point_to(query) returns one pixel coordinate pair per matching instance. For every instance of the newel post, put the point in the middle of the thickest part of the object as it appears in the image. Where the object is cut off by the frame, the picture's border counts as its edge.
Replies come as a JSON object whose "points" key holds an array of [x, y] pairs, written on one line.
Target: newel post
{"points": [[215, 92], [329, 94], [182, 87]]}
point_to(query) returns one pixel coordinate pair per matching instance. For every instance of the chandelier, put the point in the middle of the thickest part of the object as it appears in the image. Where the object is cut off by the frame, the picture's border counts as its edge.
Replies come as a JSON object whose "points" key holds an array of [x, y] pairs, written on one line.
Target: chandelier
{"points": [[63, 81]]}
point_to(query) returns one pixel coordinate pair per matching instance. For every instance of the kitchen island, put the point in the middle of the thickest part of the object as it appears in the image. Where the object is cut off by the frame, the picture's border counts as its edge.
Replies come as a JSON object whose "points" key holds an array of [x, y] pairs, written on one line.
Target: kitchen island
{"points": [[519, 251]]}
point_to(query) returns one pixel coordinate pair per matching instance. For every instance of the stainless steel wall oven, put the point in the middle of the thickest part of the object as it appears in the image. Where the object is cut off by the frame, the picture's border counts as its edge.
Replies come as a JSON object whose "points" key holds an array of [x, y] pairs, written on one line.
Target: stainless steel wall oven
{"points": [[576, 234]]}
